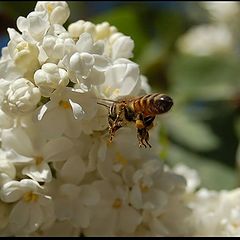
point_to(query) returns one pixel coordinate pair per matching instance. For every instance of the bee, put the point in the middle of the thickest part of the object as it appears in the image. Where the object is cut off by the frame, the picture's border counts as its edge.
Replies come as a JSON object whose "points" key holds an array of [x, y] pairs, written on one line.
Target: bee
{"points": [[140, 110]]}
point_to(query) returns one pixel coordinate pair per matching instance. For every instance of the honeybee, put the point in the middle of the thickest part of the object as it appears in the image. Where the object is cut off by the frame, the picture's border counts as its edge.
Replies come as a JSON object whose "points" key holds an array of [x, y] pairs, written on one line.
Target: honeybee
{"points": [[140, 110]]}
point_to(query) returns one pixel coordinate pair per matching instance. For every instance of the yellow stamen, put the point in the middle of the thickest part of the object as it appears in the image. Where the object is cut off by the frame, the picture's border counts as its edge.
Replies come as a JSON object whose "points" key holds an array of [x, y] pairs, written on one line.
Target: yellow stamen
{"points": [[49, 8], [107, 90], [21, 46], [111, 91], [117, 203], [143, 187], [120, 159], [30, 197], [236, 225], [64, 104], [116, 91], [38, 160]]}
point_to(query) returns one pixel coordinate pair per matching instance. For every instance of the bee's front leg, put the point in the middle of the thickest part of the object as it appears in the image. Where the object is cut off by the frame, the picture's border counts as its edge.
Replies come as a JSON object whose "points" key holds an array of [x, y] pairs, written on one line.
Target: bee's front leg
{"points": [[115, 122], [110, 128]]}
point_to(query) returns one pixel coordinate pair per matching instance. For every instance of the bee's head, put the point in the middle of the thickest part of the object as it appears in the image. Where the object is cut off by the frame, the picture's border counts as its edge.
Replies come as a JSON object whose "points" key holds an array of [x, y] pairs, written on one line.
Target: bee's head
{"points": [[164, 103]]}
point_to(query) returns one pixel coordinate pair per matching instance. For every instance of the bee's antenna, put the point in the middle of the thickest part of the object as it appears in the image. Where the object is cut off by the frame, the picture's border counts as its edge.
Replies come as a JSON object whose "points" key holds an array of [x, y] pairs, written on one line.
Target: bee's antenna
{"points": [[103, 104]]}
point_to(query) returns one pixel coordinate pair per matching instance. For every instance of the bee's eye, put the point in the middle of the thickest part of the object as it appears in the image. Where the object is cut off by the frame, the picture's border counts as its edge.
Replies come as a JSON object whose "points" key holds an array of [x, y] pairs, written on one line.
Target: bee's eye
{"points": [[164, 103], [167, 99]]}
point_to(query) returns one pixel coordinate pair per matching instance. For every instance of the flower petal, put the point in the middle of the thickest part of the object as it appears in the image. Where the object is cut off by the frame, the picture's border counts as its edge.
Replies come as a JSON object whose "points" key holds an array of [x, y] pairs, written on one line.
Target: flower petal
{"points": [[10, 140], [57, 120], [89, 195], [78, 112], [35, 218], [39, 173], [19, 217], [57, 149], [73, 170], [136, 197], [122, 47], [85, 43], [81, 216], [129, 219]]}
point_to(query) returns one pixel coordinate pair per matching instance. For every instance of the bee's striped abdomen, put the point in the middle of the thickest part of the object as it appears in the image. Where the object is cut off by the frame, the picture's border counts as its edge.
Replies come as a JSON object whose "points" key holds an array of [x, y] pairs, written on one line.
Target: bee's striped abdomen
{"points": [[152, 104]]}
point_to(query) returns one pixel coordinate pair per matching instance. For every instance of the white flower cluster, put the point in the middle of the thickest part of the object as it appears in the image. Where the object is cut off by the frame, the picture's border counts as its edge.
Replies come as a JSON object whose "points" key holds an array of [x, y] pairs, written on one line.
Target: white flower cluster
{"points": [[213, 213], [59, 176], [216, 37], [216, 213]]}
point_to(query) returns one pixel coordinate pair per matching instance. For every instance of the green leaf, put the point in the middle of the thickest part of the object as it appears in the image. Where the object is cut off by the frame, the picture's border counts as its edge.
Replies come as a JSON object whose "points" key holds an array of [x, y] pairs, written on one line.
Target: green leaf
{"points": [[191, 132], [238, 162], [208, 78], [169, 25], [237, 127], [153, 55], [213, 174]]}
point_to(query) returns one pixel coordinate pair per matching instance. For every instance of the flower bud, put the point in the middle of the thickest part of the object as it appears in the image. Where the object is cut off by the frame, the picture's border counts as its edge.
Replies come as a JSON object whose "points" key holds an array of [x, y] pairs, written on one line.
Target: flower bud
{"points": [[25, 56], [77, 28], [56, 48], [82, 63], [104, 30], [49, 78], [21, 97], [58, 11], [121, 46]]}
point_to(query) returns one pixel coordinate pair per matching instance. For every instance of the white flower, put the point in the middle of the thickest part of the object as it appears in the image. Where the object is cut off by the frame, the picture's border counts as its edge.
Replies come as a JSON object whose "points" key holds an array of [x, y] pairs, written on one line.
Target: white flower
{"points": [[216, 213], [23, 53], [5, 120], [86, 65], [58, 229], [205, 40], [4, 219], [35, 154], [8, 69], [191, 176], [21, 97], [145, 194], [121, 79], [73, 170], [78, 202], [56, 47], [120, 46], [104, 30], [35, 25], [49, 78], [117, 216], [65, 111], [117, 45], [77, 28], [32, 209], [58, 11], [223, 11], [7, 169]]}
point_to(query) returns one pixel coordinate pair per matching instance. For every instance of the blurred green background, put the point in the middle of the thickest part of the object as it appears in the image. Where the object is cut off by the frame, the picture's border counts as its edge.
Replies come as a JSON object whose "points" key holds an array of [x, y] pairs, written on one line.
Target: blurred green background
{"points": [[203, 128]]}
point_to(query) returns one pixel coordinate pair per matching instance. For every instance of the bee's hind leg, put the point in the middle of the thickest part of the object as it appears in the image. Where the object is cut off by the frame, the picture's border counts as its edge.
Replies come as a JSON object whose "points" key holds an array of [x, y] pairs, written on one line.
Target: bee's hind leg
{"points": [[146, 138], [143, 124], [143, 136], [140, 137]]}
